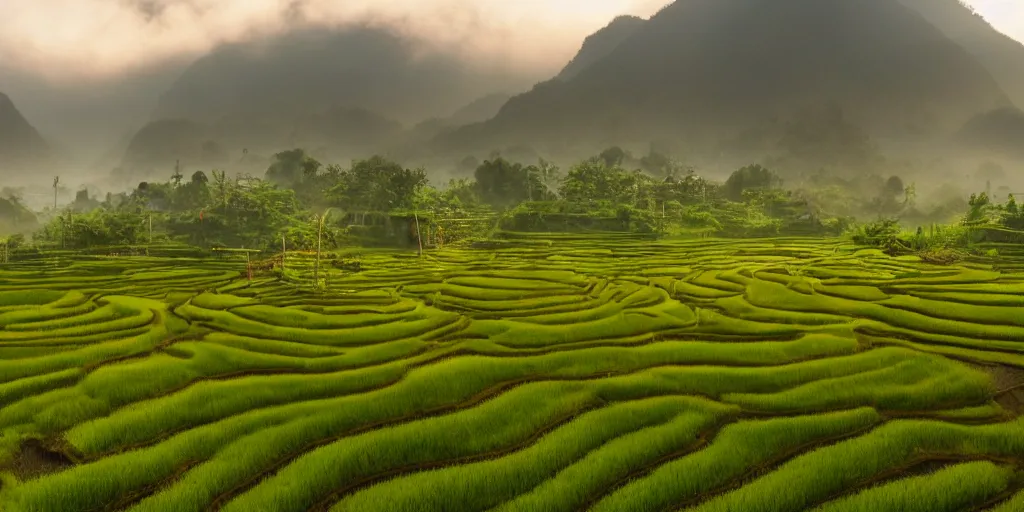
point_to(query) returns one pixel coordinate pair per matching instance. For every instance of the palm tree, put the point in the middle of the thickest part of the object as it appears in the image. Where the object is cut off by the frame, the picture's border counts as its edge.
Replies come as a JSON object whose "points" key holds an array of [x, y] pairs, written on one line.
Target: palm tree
{"points": [[549, 177], [319, 220]]}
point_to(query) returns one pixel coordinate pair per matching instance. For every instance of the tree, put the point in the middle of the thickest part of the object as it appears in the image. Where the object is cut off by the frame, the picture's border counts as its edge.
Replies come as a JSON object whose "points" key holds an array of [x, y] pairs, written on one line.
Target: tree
{"points": [[613, 156], [468, 164], [910, 195], [292, 168], [319, 221], [592, 182], [894, 186], [979, 206], [749, 177], [549, 175], [823, 138], [376, 184], [502, 183], [657, 163]]}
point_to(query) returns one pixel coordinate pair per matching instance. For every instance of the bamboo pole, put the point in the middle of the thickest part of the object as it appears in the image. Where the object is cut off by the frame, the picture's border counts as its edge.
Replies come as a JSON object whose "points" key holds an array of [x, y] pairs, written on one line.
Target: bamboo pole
{"points": [[419, 241]]}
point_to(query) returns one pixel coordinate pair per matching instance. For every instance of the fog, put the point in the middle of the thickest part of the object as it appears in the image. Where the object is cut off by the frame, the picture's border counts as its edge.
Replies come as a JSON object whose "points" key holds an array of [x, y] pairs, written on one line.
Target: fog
{"points": [[68, 40], [88, 73], [85, 72]]}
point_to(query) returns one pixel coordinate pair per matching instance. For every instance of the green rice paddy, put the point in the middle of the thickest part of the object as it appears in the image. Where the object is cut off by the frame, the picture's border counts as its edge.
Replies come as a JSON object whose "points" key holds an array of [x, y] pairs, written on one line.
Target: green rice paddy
{"points": [[582, 373]]}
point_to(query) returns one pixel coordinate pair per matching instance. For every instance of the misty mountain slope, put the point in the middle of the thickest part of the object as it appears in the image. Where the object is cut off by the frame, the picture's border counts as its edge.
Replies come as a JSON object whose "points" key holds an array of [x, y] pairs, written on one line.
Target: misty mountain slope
{"points": [[21, 146], [601, 43], [419, 137], [1002, 55], [345, 133], [705, 69], [159, 144], [999, 132], [480, 109], [306, 72], [334, 132]]}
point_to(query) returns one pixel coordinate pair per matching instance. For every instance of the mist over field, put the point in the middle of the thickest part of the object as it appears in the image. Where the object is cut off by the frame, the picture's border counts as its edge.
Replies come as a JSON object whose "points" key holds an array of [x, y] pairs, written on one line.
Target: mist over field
{"points": [[140, 86]]}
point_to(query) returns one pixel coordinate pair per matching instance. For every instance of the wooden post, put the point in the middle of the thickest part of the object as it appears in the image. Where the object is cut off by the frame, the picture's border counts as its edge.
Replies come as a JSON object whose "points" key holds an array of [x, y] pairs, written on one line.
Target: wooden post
{"points": [[419, 241], [284, 253]]}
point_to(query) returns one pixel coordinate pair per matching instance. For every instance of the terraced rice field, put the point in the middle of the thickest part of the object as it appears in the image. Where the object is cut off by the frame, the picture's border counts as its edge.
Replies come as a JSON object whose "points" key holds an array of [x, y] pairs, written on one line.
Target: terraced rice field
{"points": [[570, 374]]}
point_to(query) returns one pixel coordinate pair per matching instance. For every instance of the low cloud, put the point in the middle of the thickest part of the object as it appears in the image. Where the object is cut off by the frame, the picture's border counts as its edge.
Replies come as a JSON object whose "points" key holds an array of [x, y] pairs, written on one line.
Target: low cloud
{"points": [[68, 40]]}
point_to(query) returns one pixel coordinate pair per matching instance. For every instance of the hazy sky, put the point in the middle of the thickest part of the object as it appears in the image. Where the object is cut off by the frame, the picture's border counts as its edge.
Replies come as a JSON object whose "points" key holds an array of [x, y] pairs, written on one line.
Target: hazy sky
{"points": [[72, 39], [87, 69]]}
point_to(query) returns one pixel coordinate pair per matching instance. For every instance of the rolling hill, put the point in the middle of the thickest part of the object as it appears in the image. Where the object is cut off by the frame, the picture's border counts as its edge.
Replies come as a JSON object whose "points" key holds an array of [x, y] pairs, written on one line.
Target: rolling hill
{"points": [[304, 73], [21, 146]]}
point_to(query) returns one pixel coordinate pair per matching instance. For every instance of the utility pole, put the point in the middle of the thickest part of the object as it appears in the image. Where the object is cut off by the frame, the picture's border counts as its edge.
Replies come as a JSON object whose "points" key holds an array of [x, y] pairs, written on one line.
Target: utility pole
{"points": [[284, 253], [56, 180]]}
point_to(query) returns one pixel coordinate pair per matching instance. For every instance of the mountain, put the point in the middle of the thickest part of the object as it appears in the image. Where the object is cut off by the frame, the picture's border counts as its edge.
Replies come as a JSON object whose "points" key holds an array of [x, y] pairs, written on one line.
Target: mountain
{"points": [[1001, 54], [159, 145], [700, 71], [478, 110], [343, 133], [336, 134], [337, 93], [999, 132], [304, 72], [601, 43], [21, 146]]}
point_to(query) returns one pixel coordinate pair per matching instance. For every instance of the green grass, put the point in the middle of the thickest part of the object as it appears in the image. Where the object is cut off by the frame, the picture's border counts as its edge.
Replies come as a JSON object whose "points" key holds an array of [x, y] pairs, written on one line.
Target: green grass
{"points": [[733, 452], [557, 374], [815, 476], [959, 487], [487, 484], [1013, 504]]}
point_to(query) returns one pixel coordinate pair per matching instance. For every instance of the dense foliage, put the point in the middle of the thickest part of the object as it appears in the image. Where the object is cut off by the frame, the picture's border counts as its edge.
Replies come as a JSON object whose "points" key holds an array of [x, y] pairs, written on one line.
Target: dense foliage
{"points": [[377, 201]]}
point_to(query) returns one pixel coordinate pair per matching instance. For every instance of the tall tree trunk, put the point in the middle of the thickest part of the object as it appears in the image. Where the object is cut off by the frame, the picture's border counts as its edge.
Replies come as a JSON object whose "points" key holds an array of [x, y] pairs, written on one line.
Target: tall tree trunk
{"points": [[316, 265], [419, 241]]}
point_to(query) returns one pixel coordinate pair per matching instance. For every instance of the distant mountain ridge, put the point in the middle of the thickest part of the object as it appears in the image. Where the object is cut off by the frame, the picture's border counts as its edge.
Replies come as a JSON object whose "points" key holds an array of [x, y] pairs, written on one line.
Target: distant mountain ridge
{"points": [[1001, 54], [601, 43], [303, 73], [347, 93], [712, 75], [997, 133], [702, 70]]}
